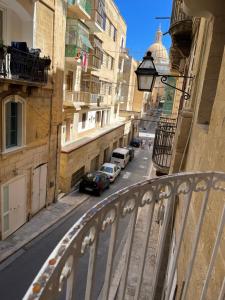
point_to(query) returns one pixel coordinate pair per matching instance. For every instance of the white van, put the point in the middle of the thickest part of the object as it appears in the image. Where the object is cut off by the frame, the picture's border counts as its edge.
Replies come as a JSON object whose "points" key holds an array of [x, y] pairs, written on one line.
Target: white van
{"points": [[120, 156]]}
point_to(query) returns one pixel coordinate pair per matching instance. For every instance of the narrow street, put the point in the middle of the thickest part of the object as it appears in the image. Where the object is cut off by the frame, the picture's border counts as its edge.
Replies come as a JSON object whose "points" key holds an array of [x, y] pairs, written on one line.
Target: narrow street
{"points": [[20, 269]]}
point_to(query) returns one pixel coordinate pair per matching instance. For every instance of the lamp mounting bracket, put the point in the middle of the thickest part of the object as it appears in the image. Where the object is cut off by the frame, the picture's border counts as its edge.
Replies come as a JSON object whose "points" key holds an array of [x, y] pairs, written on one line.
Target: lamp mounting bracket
{"points": [[164, 79]]}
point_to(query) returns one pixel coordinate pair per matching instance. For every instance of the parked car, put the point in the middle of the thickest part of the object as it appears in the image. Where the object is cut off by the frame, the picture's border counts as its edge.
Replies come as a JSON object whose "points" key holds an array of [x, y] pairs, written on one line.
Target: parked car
{"points": [[131, 152], [95, 182], [135, 142], [120, 156], [111, 170]]}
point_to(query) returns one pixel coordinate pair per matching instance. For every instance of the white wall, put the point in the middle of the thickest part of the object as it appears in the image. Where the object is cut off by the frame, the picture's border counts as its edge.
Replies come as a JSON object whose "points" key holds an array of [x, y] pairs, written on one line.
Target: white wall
{"points": [[90, 121], [18, 25]]}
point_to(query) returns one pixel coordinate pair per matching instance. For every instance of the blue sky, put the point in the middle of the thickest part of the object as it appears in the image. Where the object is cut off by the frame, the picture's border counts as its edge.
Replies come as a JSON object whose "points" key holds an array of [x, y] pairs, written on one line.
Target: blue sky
{"points": [[142, 25]]}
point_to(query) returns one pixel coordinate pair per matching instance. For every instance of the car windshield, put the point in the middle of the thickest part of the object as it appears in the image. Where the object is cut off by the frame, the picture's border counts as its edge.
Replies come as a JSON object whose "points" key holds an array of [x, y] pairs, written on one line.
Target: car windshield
{"points": [[91, 177], [118, 155], [106, 169]]}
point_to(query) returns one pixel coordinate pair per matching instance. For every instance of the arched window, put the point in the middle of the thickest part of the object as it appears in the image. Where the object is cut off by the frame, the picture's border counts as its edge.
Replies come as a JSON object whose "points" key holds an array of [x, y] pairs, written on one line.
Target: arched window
{"points": [[13, 122]]}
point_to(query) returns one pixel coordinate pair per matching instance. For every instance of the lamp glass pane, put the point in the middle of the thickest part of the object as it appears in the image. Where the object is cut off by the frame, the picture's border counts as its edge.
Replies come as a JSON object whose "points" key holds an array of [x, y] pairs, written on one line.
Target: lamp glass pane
{"points": [[145, 82], [147, 64]]}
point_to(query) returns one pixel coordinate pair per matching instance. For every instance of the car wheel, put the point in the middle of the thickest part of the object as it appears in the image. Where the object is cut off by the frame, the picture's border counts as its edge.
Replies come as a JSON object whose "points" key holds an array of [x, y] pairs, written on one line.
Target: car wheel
{"points": [[81, 190], [98, 193]]}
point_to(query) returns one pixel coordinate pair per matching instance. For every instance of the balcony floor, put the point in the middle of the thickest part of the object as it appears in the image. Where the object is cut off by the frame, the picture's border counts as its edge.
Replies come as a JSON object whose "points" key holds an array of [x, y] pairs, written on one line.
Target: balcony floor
{"points": [[140, 233]]}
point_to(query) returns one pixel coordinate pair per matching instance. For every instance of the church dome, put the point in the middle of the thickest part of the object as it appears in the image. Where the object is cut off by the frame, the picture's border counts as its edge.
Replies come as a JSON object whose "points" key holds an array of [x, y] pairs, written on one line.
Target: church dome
{"points": [[159, 52]]}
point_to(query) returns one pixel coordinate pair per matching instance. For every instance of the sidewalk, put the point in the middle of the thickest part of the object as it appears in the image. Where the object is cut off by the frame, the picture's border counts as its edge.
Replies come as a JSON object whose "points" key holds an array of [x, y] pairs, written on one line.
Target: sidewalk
{"points": [[46, 218]]}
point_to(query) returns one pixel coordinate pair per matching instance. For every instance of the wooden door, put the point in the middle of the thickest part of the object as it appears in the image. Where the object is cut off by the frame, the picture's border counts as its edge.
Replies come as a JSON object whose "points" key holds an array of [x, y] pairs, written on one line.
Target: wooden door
{"points": [[17, 195], [14, 197], [43, 185], [39, 188]]}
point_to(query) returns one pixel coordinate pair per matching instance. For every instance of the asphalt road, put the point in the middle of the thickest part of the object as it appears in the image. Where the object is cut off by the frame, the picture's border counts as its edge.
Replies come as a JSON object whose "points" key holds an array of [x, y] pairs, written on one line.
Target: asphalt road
{"points": [[17, 273]]}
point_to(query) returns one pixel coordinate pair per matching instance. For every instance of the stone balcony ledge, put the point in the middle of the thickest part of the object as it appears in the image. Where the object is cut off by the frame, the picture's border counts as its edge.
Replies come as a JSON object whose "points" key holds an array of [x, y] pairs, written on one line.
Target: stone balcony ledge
{"points": [[97, 133]]}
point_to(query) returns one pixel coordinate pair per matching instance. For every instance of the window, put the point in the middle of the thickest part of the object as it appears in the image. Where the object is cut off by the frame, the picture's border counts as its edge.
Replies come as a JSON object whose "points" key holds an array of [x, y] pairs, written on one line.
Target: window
{"points": [[108, 61], [63, 135], [110, 29], [114, 34], [13, 122], [84, 117], [69, 81], [118, 155], [122, 42]]}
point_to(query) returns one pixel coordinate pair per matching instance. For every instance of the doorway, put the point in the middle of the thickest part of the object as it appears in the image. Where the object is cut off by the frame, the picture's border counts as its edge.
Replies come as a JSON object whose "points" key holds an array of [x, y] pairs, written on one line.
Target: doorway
{"points": [[13, 204], [106, 155], [94, 164], [39, 188]]}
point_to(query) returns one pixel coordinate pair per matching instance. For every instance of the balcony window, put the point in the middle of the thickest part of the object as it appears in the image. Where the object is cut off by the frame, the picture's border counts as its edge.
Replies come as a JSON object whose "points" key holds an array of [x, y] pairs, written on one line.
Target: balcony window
{"points": [[96, 55], [111, 30], [77, 38], [13, 122], [69, 81], [100, 14]]}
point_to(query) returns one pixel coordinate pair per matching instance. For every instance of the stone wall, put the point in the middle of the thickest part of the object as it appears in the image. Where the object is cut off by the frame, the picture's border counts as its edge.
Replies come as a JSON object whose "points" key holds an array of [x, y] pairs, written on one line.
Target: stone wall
{"points": [[202, 146], [81, 156], [43, 106]]}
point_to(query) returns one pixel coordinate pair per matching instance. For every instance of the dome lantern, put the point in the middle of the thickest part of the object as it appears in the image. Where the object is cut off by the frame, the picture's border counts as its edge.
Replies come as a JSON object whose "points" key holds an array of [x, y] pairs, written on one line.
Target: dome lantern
{"points": [[158, 50]]}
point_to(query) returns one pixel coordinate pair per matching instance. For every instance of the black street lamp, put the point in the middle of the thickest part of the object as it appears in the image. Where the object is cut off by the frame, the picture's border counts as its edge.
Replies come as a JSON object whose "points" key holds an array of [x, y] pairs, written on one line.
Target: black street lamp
{"points": [[147, 73]]}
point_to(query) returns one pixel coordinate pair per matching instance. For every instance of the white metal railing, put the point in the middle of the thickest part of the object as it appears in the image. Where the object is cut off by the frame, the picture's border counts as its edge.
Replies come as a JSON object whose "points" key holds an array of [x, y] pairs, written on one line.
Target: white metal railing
{"points": [[59, 277]]}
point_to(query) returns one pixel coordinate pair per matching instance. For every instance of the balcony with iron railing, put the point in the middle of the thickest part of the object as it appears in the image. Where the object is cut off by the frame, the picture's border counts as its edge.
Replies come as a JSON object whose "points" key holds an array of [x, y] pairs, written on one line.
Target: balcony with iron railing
{"points": [[81, 8], [163, 142], [181, 33], [23, 65], [143, 263]]}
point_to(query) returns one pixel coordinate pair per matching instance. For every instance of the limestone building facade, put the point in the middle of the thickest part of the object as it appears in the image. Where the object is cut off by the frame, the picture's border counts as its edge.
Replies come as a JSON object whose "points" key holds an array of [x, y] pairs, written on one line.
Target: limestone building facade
{"points": [[31, 74], [128, 84], [198, 49], [95, 54]]}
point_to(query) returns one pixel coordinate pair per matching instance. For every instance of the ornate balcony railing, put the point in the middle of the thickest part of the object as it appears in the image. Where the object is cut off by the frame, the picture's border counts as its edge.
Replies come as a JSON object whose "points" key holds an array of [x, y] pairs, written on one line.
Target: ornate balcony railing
{"points": [[81, 97], [62, 275], [181, 34], [163, 142], [24, 65]]}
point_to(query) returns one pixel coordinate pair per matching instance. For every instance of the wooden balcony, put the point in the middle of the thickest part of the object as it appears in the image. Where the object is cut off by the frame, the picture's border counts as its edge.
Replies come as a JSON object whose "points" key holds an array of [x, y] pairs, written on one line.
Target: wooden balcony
{"points": [[81, 8]]}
